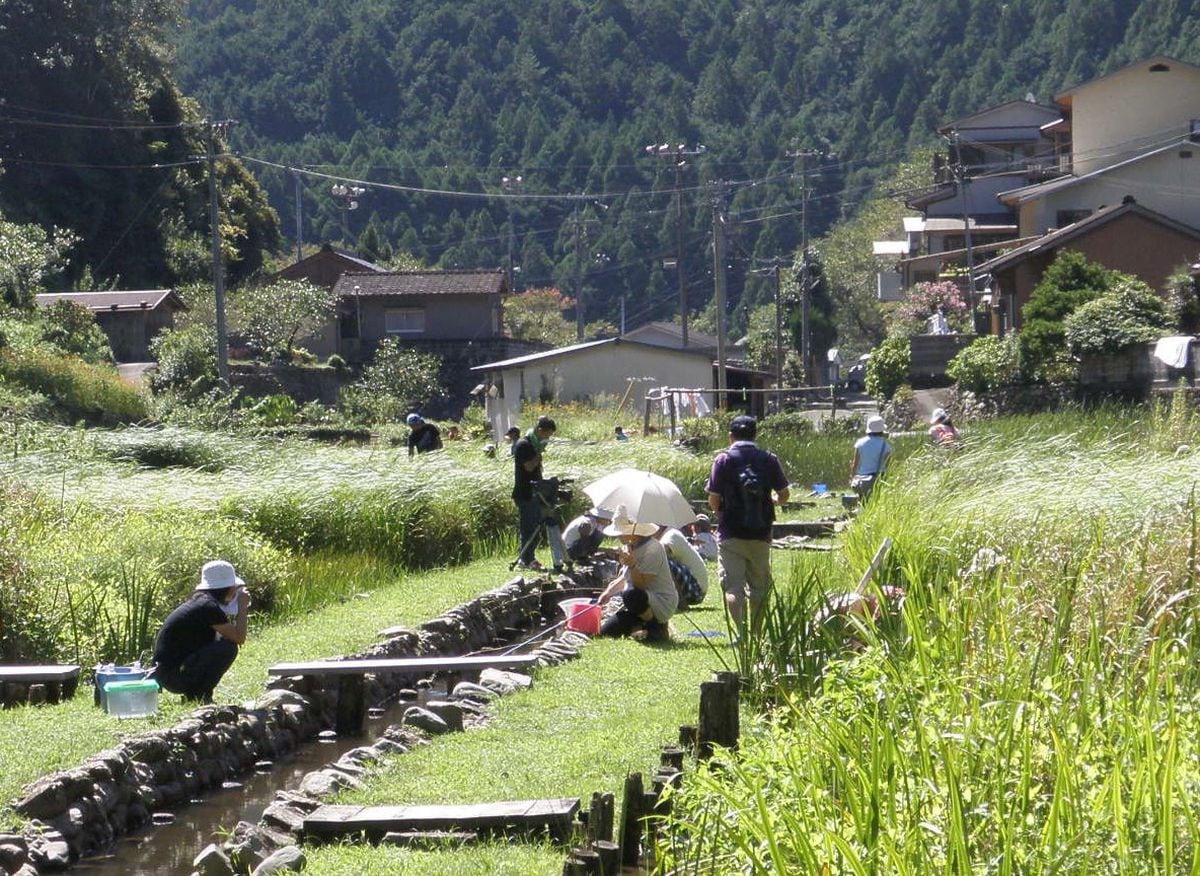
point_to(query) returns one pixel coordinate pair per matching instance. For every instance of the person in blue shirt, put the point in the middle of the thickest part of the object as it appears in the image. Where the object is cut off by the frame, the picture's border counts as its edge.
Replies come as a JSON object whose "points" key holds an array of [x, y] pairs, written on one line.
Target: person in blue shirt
{"points": [[871, 454]]}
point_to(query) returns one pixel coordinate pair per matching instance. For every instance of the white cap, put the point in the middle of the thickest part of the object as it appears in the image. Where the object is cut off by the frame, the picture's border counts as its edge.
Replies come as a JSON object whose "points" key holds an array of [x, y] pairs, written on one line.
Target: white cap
{"points": [[876, 425]]}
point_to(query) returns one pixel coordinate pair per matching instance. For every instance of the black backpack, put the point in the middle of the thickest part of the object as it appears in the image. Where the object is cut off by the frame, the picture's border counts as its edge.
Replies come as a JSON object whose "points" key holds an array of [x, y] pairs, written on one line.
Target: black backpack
{"points": [[748, 504]]}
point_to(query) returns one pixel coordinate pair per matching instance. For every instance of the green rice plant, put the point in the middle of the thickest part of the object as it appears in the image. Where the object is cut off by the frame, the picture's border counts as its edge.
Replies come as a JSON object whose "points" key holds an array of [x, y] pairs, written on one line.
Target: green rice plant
{"points": [[163, 448]]}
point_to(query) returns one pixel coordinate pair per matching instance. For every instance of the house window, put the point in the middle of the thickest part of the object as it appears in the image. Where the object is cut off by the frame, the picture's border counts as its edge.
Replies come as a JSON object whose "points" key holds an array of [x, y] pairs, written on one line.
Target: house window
{"points": [[404, 320], [1063, 218]]}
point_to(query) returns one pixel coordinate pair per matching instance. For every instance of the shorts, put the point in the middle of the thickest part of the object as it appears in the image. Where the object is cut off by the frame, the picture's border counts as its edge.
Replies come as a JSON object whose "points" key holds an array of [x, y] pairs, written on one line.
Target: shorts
{"points": [[744, 566]]}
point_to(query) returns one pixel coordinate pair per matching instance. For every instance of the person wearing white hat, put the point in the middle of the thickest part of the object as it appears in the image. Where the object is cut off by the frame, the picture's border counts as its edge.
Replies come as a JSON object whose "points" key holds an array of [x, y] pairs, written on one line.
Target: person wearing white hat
{"points": [[583, 535], [871, 455], [701, 536], [941, 430], [648, 594], [199, 640]]}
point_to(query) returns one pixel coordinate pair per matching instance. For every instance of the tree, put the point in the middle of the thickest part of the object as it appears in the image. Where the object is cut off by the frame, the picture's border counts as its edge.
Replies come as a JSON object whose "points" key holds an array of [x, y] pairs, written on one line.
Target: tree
{"points": [[28, 257], [1129, 313], [273, 316], [398, 380], [1069, 282], [926, 299], [538, 315]]}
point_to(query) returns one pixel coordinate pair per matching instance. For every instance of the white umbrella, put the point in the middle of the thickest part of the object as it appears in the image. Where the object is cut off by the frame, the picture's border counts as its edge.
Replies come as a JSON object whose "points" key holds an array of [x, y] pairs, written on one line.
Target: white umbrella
{"points": [[647, 497]]}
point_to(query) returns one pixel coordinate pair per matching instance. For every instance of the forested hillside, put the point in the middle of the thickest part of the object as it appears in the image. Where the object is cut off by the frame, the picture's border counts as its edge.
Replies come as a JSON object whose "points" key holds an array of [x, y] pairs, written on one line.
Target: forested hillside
{"points": [[566, 94]]}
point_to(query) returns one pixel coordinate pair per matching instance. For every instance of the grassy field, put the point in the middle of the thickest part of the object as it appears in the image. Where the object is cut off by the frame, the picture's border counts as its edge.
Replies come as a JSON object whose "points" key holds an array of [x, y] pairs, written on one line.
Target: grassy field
{"points": [[1034, 710]]}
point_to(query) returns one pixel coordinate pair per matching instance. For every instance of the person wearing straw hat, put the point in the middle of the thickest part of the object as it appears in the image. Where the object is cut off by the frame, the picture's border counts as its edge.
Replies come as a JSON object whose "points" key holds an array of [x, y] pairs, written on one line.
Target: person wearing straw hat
{"points": [[648, 594], [199, 640], [871, 455]]}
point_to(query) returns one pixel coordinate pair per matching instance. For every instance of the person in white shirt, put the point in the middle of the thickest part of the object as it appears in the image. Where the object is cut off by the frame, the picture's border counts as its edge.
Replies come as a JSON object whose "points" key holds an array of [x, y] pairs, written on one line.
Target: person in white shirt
{"points": [[583, 535], [701, 537], [687, 567]]}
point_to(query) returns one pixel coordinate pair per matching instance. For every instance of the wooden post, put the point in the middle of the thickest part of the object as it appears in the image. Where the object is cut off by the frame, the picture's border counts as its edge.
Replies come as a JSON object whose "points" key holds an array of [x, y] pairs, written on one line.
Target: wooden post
{"points": [[673, 414], [351, 705], [610, 857], [687, 738], [646, 417], [600, 817], [718, 714], [633, 809], [582, 862], [672, 756]]}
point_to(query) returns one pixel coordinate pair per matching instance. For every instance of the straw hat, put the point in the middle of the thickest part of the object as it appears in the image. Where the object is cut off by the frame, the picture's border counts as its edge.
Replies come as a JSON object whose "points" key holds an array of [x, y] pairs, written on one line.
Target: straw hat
{"points": [[622, 524], [937, 416], [218, 575], [876, 425]]}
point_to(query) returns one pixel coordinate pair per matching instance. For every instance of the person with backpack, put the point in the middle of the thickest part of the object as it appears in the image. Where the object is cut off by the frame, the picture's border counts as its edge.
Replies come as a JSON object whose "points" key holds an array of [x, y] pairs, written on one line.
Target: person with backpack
{"points": [[745, 484]]}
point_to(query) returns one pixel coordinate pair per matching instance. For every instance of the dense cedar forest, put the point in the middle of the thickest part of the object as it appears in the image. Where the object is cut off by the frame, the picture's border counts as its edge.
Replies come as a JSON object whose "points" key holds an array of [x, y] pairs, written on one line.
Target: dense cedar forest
{"points": [[803, 107]]}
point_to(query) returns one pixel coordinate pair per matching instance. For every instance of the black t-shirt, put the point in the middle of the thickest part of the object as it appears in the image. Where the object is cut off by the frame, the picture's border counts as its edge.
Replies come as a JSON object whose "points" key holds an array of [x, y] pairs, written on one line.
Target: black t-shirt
{"points": [[187, 629], [424, 438], [523, 452]]}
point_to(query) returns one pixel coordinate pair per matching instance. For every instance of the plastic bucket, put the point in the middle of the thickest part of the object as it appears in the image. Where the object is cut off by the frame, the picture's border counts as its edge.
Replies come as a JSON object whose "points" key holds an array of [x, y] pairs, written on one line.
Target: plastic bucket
{"points": [[583, 615], [131, 699], [110, 673]]}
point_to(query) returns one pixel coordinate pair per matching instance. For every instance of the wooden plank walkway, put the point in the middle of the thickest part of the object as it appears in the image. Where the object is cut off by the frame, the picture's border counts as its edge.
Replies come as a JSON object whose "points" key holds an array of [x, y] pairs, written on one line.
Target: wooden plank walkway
{"points": [[351, 703], [61, 679], [552, 816]]}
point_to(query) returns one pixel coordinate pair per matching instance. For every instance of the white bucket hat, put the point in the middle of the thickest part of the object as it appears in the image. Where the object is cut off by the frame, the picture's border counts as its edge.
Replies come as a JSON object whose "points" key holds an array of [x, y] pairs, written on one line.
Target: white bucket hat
{"points": [[937, 416], [876, 425], [600, 513], [218, 575], [622, 524]]}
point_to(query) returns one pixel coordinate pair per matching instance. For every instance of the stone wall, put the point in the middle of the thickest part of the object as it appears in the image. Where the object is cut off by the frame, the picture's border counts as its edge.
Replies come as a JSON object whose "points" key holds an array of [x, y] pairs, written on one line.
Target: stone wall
{"points": [[82, 811]]}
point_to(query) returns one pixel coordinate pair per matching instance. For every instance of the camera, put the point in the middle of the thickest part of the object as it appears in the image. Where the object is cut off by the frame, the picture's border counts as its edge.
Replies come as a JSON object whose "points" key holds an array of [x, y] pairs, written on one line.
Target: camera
{"points": [[555, 491]]}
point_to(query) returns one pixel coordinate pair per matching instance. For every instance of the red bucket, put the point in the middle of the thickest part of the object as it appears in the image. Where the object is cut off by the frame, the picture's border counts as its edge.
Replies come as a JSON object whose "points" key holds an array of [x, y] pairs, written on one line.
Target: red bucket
{"points": [[583, 615]]}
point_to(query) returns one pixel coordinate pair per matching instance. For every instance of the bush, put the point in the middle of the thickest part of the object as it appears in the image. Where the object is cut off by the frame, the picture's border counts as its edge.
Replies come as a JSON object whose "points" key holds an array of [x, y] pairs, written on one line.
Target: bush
{"points": [[1131, 313], [987, 363], [397, 381], [72, 328], [1070, 282], [887, 369], [187, 360], [78, 390]]}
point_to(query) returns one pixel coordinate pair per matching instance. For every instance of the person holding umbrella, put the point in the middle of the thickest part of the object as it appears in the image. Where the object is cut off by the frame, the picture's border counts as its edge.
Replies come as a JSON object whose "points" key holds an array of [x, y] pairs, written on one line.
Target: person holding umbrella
{"points": [[648, 594]]}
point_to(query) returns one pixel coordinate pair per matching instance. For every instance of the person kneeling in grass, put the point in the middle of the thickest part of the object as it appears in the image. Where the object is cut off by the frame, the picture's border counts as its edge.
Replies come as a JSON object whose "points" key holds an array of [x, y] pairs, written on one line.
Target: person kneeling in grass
{"points": [[648, 595], [199, 640]]}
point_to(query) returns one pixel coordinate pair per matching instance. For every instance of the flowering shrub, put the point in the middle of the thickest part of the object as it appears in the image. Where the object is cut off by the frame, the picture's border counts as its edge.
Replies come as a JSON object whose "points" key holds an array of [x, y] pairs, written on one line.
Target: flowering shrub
{"points": [[923, 302]]}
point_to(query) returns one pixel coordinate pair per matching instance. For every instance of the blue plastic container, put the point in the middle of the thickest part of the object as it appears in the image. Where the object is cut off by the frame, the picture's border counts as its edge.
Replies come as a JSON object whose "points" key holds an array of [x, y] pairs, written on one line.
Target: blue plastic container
{"points": [[109, 673]]}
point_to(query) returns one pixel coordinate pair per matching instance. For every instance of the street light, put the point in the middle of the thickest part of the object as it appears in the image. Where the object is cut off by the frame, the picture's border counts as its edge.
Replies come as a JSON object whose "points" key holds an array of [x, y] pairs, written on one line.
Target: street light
{"points": [[510, 185], [678, 154], [348, 196]]}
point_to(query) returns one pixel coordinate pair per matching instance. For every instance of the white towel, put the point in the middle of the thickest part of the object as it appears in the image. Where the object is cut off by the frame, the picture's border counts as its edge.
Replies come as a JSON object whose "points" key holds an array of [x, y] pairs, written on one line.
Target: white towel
{"points": [[1173, 351]]}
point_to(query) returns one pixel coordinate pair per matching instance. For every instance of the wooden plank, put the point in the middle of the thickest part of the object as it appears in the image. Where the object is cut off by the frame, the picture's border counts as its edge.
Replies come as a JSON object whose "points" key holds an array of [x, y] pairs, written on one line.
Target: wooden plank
{"points": [[402, 664], [36, 673], [515, 816]]}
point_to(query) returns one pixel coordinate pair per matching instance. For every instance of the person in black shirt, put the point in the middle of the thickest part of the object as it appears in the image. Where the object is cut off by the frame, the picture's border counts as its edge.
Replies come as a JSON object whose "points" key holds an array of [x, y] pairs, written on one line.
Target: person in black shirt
{"points": [[199, 640], [527, 469], [422, 437]]}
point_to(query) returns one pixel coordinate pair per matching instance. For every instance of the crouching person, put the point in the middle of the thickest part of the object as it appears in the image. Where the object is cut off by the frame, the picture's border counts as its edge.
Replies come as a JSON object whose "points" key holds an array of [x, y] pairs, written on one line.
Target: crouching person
{"points": [[199, 640], [648, 595], [687, 567]]}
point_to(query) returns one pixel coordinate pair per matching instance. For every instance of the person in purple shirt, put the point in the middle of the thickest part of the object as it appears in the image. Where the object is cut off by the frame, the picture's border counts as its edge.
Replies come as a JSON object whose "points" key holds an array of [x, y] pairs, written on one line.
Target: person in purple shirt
{"points": [[743, 488]]}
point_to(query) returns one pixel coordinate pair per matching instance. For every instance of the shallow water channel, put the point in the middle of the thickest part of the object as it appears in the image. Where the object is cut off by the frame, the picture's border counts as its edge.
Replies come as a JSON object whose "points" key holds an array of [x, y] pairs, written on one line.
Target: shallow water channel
{"points": [[167, 850]]}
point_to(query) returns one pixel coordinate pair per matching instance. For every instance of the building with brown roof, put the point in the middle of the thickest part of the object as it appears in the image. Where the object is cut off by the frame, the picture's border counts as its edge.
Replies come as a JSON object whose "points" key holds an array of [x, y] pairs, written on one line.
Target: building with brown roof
{"points": [[131, 318]]}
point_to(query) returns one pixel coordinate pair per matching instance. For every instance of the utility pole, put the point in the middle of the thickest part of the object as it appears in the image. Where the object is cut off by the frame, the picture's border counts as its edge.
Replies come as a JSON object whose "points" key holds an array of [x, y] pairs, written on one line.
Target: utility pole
{"points": [[578, 275], [299, 216], [805, 323], [718, 228], [960, 178], [218, 266], [348, 196], [678, 155], [510, 185]]}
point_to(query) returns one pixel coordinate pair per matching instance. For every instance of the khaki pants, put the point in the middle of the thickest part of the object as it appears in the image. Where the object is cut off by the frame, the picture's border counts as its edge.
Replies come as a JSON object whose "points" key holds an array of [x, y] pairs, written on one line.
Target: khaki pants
{"points": [[744, 566]]}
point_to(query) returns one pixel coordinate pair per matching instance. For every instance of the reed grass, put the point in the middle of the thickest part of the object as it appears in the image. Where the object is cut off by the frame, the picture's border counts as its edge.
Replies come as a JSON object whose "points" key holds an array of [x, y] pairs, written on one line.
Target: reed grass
{"points": [[1038, 714]]}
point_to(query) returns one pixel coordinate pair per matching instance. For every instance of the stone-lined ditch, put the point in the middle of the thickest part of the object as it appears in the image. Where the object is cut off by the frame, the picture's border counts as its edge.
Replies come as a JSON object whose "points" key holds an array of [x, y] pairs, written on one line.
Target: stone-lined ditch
{"points": [[84, 811]]}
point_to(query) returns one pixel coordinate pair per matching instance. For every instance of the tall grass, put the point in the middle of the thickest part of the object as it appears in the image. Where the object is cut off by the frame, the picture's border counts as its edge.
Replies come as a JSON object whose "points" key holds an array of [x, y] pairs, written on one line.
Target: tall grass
{"points": [[80, 390], [1038, 714]]}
